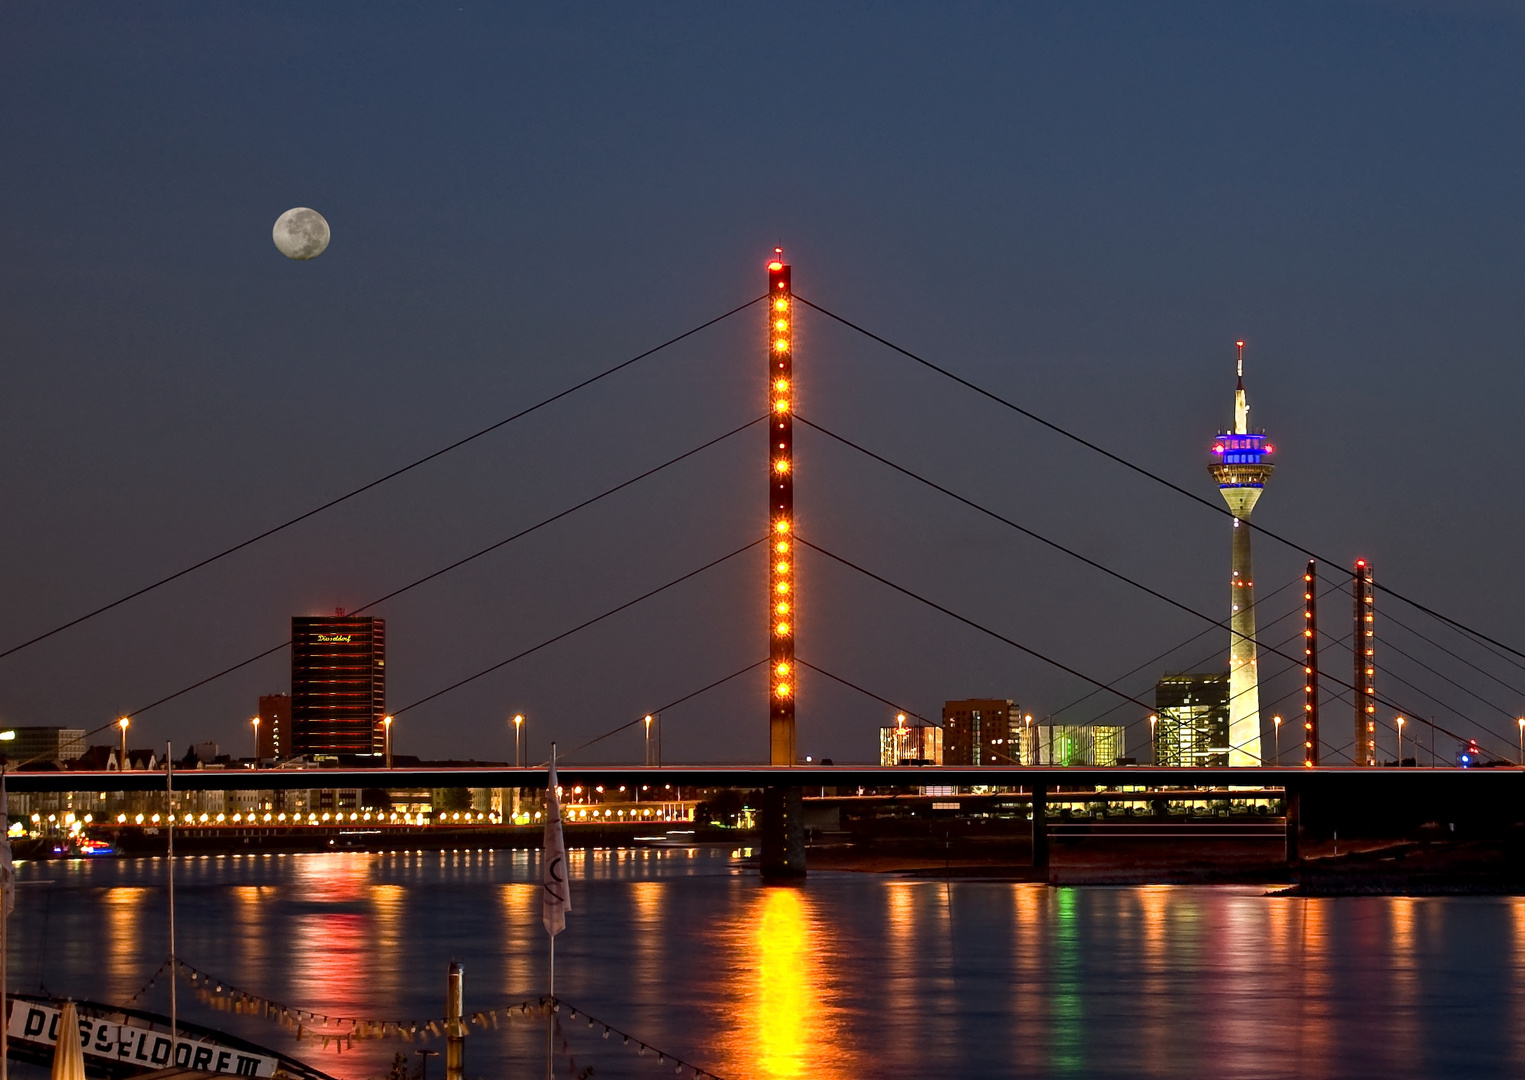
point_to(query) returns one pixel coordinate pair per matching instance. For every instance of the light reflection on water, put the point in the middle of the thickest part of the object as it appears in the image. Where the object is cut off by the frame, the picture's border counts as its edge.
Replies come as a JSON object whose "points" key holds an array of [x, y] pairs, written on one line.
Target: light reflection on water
{"points": [[850, 976]]}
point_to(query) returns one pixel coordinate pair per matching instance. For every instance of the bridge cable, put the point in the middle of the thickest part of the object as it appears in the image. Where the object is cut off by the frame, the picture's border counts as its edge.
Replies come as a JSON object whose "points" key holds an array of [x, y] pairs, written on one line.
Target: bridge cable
{"points": [[1216, 508], [659, 709], [581, 626], [970, 622], [375, 483], [1215, 653], [1030, 651], [1071, 552], [1181, 645], [1344, 581], [926, 720], [1074, 554], [430, 576], [1388, 617]]}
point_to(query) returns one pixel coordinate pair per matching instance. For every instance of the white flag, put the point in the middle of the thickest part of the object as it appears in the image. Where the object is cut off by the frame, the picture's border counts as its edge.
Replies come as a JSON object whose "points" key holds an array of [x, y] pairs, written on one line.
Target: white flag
{"points": [[555, 897], [7, 866]]}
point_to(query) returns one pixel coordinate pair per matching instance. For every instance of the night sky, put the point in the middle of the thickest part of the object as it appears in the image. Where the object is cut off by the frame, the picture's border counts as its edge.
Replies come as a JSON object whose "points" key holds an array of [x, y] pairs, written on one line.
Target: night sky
{"points": [[1079, 207]]}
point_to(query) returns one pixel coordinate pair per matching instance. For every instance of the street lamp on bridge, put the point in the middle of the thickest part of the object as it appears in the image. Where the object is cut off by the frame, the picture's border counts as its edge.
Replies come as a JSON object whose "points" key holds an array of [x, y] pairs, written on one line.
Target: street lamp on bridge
{"points": [[122, 764], [386, 738]]}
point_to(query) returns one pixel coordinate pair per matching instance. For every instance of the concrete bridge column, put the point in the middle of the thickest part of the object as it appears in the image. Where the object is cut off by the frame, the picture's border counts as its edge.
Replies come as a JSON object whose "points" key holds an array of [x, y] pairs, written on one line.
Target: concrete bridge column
{"points": [[783, 836], [1294, 801], [1040, 827]]}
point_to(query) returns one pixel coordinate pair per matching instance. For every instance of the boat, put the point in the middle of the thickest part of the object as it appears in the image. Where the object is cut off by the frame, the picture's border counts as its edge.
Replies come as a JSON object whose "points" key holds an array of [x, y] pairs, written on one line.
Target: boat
{"points": [[122, 1043]]}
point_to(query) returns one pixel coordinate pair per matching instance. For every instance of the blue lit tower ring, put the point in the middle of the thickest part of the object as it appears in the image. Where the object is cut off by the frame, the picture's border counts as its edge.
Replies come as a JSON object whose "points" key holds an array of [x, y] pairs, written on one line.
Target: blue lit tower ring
{"points": [[1240, 466]]}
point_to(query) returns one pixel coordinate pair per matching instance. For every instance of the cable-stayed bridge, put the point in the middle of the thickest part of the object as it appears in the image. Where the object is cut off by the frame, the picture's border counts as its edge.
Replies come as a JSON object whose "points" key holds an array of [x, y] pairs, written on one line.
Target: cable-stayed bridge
{"points": [[1482, 668]]}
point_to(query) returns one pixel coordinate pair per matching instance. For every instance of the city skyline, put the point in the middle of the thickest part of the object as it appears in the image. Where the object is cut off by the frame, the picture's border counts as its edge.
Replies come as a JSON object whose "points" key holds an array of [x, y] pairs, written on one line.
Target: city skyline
{"points": [[210, 389]]}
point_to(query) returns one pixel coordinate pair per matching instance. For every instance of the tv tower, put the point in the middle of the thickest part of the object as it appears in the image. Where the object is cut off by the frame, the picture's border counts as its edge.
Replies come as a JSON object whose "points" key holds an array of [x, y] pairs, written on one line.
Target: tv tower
{"points": [[1240, 467]]}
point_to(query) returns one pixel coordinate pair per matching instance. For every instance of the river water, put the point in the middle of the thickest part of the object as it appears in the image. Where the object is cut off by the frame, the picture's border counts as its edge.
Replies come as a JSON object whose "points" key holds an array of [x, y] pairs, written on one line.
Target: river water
{"points": [[853, 975]]}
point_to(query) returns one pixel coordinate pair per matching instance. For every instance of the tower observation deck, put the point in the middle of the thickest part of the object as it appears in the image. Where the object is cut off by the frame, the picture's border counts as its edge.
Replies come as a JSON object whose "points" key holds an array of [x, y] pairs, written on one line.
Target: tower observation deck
{"points": [[1240, 468]]}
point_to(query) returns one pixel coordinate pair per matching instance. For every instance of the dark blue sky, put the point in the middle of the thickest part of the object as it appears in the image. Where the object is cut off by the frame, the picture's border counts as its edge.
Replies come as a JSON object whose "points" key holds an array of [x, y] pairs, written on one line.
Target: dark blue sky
{"points": [[1080, 207]]}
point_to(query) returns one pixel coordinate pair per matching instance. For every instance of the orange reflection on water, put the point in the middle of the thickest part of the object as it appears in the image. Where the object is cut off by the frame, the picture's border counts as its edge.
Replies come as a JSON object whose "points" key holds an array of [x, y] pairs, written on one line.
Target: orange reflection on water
{"points": [[1403, 963], [790, 1023], [1517, 1029], [1311, 1026], [523, 971], [649, 940], [1154, 991], [1029, 1050], [123, 910]]}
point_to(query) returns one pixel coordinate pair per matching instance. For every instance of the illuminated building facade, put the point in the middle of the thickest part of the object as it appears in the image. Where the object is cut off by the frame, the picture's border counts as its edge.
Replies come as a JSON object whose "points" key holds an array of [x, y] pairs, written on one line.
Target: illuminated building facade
{"points": [[1241, 470], [1365, 682], [781, 598], [1079, 744], [911, 744], [338, 684], [1193, 726], [1310, 665], [273, 736], [983, 731]]}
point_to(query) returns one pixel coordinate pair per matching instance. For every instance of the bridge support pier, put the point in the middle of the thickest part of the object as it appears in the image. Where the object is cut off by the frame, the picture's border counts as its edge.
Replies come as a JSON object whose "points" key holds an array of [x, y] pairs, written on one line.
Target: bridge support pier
{"points": [[1040, 828], [1294, 801], [455, 1025], [783, 836]]}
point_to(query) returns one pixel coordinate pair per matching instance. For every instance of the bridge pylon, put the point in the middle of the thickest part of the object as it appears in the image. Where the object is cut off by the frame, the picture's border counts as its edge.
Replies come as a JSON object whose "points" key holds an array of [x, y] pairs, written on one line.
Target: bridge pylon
{"points": [[783, 829], [781, 599]]}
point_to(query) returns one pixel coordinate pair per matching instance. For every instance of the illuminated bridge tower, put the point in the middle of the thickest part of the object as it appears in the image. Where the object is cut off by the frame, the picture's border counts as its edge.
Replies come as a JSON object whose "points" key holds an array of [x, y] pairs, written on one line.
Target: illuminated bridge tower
{"points": [[781, 604], [1240, 467], [782, 858]]}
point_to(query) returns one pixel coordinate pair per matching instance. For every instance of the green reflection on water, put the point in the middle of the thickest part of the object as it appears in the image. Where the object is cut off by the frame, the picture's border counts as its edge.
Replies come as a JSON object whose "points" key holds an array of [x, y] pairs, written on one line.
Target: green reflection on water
{"points": [[1067, 1014]]}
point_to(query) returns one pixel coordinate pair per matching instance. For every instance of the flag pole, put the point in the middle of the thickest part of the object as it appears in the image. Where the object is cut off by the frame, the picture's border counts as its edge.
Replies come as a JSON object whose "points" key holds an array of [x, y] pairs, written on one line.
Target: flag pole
{"points": [[550, 1012], [6, 868], [555, 898], [169, 807]]}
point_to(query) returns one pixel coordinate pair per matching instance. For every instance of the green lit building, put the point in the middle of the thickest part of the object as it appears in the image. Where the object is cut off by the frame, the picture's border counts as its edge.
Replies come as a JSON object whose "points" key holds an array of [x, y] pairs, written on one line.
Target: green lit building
{"points": [[1077, 744]]}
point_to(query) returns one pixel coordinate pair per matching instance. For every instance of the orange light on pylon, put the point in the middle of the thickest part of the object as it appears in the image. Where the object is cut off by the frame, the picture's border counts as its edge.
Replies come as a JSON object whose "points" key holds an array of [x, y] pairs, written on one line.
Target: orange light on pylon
{"points": [[781, 508]]}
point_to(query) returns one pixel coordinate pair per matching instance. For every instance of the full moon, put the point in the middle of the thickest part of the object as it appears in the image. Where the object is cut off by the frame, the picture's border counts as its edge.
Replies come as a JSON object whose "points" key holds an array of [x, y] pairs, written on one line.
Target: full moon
{"points": [[301, 233]]}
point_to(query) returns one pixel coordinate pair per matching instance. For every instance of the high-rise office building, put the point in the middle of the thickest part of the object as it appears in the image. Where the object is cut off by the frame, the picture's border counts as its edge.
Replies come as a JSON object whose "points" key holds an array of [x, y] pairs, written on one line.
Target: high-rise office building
{"points": [[1240, 467], [338, 684], [273, 736], [1192, 725], [982, 731]]}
